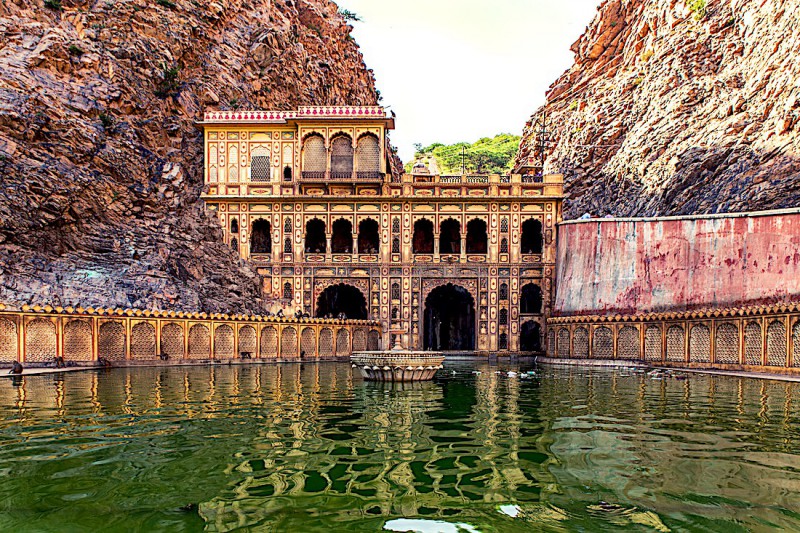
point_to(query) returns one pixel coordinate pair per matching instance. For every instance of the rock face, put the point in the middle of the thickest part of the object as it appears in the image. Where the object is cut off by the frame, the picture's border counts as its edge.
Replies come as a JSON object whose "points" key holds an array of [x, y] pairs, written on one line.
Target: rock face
{"points": [[100, 160], [676, 107]]}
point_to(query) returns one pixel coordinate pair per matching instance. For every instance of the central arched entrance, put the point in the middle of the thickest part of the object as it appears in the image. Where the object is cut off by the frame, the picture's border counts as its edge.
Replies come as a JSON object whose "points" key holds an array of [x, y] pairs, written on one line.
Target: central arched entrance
{"points": [[530, 339], [449, 319], [342, 298]]}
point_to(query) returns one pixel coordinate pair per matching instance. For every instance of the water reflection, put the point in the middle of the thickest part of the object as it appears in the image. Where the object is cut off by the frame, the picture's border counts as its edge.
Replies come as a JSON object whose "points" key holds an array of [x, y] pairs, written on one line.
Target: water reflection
{"points": [[312, 447]]}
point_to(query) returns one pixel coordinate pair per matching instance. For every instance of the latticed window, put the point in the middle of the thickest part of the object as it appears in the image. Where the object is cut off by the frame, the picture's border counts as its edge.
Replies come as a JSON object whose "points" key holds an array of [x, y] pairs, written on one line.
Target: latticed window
{"points": [[287, 245], [776, 343], [395, 313], [504, 291], [602, 343], [652, 343], [504, 225], [503, 317], [341, 157], [628, 343], [700, 343], [503, 342], [288, 293], [8, 340], [368, 156], [581, 343], [395, 291], [504, 246], [395, 225], [675, 344], [395, 245], [314, 154], [235, 244], [287, 225], [727, 344], [233, 160], [259, 168]]}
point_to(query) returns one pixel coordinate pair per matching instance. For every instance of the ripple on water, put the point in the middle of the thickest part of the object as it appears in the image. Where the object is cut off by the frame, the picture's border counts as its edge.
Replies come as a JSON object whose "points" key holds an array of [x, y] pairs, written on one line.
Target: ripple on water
{"points": [[311, 447]]}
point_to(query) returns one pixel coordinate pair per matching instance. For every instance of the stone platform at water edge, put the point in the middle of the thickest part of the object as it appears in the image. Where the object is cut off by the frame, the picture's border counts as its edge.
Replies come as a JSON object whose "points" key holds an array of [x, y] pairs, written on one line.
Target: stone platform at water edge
{"points": [[397, 364]]}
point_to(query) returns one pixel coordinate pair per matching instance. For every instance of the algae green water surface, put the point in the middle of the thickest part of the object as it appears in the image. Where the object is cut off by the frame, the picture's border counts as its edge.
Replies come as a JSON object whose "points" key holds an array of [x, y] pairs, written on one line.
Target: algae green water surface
{"points": [[311, 447]]}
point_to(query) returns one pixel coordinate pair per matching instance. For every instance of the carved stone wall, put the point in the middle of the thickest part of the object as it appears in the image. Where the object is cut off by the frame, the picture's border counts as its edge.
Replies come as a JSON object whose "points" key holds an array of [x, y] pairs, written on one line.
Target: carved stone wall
{"points": [[36, 337], [762, 339], [393, 279]]}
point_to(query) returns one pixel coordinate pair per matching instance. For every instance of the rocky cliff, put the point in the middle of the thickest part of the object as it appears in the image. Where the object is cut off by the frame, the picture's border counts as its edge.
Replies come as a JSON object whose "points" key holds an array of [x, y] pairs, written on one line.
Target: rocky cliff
{"points": [[100, 160], [678, 106]]}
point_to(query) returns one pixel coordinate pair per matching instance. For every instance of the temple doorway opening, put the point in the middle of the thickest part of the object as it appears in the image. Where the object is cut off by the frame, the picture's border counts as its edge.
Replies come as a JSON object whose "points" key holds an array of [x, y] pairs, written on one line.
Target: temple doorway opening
{"points": [[530, 338], [531, 299], [342, 300], [449, 319]]}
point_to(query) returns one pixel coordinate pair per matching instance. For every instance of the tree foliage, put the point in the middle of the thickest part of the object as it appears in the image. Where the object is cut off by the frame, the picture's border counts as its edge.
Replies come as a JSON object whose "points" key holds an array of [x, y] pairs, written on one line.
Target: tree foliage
{"points": [[349, 16], [489, 155]]}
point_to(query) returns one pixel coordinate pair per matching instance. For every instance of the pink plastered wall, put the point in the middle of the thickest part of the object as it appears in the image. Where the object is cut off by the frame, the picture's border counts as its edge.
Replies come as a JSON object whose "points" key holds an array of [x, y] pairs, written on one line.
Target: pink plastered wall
{"points": [[625, 266]]}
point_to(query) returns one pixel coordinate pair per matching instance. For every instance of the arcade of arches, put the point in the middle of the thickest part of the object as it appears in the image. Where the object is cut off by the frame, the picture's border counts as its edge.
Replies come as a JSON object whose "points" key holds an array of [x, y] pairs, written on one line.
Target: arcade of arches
{"points": [[313, 200]]}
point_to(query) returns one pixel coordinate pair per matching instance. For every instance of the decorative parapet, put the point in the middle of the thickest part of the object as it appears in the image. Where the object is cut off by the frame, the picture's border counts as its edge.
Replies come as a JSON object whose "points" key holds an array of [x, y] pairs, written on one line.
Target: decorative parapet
{"points": [[39, 335], [304, 112], [793, 307], [764, 338]]}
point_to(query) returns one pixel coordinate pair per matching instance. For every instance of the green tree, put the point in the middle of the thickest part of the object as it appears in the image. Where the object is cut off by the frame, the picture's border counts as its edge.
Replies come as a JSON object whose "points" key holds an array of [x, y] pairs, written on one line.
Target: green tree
{"points": [[489, 155]]}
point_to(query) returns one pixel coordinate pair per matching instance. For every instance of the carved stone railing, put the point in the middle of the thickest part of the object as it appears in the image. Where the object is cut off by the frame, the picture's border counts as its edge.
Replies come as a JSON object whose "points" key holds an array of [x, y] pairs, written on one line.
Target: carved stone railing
{"points": [[38, 336], [758, 339], [340, 177]]}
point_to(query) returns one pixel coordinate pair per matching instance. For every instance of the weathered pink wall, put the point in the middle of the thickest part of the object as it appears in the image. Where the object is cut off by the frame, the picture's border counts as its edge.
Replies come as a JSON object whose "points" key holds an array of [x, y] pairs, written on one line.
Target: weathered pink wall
{"points": [[609, 266]]}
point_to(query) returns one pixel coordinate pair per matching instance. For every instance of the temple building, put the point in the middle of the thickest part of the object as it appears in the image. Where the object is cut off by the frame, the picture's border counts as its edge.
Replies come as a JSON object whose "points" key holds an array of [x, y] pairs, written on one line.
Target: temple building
{"points": [[458, 263]]}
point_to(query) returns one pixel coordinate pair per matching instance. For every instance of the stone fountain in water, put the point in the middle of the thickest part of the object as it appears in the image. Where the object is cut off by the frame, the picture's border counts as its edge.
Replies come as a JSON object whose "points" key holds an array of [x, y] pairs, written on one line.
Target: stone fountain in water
{"points": [[397, 364]]}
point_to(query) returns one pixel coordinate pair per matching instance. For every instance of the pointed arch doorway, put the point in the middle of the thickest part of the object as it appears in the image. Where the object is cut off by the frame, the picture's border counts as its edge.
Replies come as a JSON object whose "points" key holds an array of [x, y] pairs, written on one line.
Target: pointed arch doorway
{"points": [[449, 323]]}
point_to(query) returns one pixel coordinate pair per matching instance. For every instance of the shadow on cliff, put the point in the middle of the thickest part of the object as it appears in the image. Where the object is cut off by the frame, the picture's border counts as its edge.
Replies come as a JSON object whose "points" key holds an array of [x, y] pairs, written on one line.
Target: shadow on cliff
{"points": [[703, 180]]}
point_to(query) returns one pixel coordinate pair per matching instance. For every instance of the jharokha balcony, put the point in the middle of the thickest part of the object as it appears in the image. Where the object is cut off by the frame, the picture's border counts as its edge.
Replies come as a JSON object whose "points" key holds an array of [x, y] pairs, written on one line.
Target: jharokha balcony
{"points": [[311, 176]]}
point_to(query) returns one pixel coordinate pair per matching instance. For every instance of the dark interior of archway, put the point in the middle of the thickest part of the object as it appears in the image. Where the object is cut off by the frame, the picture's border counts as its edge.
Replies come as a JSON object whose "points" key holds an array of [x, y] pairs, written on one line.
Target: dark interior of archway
{"points": [[531, 299], [368, 240], [423, 237], [531, 237], [476, 237], [315, 236], [530, 339], [342, 239], [342, 298], [261, 238], [450, 237], [449, 319]]}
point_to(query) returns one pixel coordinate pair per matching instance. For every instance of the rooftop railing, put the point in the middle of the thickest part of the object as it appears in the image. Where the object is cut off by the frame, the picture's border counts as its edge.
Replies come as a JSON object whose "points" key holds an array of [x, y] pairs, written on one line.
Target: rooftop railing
{"points": [[360, 177]]}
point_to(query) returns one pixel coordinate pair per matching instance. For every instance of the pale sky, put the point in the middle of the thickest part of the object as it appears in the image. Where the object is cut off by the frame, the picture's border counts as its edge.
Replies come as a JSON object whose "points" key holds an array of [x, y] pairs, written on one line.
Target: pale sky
{"points": [[459, 70]]}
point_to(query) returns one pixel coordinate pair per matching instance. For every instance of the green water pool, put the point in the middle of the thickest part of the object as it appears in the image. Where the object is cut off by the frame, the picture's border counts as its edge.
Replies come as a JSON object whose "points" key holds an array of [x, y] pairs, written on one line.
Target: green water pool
{"points": [[311, 447]]}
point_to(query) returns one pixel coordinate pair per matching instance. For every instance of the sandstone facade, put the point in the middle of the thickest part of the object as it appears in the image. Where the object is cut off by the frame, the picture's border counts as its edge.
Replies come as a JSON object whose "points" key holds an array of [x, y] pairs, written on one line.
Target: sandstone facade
{"points": [[678, 107], [101, 162]]}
